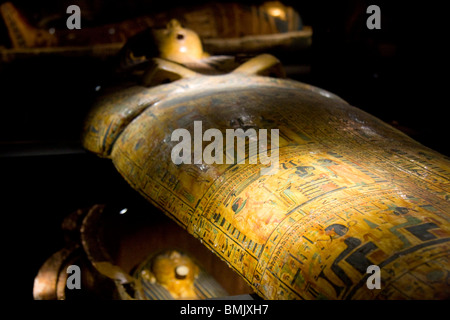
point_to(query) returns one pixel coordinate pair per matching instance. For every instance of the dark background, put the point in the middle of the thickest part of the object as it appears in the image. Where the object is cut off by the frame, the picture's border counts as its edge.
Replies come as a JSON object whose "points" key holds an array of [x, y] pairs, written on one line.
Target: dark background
{"points": [[398, 73]]}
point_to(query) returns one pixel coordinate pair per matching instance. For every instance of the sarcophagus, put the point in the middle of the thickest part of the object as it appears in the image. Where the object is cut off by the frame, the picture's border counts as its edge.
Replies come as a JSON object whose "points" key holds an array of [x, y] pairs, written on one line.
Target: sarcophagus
{"points": [[323, 197]]}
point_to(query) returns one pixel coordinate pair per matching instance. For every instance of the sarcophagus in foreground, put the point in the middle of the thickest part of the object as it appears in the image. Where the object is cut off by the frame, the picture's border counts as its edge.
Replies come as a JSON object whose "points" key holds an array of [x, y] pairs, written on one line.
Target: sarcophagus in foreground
{"points": [[346, 191]]}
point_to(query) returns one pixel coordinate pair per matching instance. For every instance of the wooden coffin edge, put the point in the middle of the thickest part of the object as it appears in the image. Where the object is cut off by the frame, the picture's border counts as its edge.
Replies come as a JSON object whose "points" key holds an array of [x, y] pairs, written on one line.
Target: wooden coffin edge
{"points": [[294, 40]]}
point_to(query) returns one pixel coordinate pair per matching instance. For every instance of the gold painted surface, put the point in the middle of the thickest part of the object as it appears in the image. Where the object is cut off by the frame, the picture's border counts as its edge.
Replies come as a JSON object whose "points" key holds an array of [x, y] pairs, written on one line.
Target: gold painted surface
{"points": [[175, 272], [350, 190], [178, 44]]}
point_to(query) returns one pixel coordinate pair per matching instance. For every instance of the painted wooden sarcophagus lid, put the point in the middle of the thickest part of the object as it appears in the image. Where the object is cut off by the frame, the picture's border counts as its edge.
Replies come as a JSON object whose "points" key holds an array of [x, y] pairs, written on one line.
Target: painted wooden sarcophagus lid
{"points": [[342, 192]]}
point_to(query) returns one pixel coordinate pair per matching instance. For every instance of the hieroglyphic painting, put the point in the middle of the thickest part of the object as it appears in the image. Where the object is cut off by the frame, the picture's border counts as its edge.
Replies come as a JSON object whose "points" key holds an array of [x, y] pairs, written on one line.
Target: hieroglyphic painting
{"points": [[350, 192]]}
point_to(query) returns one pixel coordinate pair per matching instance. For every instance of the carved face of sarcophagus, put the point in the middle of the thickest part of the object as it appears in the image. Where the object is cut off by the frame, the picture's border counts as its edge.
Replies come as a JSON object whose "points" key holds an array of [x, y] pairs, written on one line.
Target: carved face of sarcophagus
{"points": [[303, 195]]}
